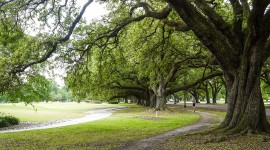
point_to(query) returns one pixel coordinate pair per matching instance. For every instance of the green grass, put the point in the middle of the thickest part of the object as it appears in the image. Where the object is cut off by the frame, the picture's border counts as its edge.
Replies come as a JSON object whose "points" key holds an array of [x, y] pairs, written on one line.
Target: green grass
{"points": [[49, 111], [122, 127]]}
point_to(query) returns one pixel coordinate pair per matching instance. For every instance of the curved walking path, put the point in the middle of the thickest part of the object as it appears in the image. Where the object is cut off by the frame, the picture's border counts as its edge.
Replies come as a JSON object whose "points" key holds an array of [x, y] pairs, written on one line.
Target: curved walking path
{"points": [[206, 121], [91, 116]]}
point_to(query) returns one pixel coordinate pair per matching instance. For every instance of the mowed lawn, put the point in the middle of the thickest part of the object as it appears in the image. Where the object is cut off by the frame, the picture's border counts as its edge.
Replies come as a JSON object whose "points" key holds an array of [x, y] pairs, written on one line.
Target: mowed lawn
{"points": [[119, 129], [41, 112]]}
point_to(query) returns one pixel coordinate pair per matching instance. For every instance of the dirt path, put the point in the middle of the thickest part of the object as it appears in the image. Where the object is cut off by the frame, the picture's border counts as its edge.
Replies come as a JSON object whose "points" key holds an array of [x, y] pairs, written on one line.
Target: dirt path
{"points": [[91, 116], [205, 122]]}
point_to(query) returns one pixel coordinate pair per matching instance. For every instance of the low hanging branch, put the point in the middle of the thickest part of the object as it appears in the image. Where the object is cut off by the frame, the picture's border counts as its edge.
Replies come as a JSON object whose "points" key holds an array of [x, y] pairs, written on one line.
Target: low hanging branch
{"points": [[52, 45]]}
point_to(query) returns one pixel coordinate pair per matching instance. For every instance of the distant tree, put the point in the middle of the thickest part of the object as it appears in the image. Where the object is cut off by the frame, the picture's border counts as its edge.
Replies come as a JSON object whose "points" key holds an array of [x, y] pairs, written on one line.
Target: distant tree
{"points": [[33, 89]]}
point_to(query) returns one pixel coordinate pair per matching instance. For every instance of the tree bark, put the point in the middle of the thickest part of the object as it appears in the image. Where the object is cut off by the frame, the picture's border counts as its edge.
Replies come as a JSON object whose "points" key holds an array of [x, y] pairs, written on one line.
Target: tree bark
{"points": [[160, 93], [246, 111], [240, 51]]}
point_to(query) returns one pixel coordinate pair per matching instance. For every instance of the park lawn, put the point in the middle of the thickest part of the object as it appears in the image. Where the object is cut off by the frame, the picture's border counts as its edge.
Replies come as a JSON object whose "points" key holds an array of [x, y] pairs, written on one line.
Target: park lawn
{"points": [[208, 140], [121, 128], [42, 112]]}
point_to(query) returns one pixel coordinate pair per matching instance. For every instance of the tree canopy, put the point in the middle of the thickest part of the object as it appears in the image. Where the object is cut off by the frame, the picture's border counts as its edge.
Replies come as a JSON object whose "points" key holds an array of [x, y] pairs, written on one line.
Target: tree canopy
{"points": [[143, 49]]}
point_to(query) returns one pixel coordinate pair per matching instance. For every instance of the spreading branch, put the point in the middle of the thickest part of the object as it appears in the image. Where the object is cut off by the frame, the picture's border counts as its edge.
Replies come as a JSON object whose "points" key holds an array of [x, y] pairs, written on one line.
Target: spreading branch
{"points": [[53, 44], [190, 85], [208, 32]]}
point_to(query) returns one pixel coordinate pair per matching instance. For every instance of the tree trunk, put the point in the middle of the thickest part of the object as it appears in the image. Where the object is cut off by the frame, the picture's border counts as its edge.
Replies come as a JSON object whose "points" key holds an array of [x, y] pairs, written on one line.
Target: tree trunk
{"points": [[214, 98], [207, 96], [226, 90], [185, 98], [126, 100], [246, 111], [195, 94], [215, 87], [147, 98], [139, 101], [206, 90], [160, 97], [152, 99]]}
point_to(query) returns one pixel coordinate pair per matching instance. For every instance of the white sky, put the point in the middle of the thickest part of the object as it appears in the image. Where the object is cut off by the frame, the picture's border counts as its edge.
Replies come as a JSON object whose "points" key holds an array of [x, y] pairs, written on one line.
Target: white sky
{"points": [[94, 10]]}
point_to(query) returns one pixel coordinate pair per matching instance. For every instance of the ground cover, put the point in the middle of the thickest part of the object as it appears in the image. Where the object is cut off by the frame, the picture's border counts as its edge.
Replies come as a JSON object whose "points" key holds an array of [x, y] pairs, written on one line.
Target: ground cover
{"points": [[122, 127], [218, 142]]}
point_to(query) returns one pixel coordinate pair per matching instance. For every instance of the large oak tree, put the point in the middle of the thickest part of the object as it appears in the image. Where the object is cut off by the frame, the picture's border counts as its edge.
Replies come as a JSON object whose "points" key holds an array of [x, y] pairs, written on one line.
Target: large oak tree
{"points": [[241, 48], [236, 32]]}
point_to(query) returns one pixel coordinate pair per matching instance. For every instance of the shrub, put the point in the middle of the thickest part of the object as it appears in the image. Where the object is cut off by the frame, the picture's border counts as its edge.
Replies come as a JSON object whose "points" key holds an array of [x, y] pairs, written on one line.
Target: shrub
{"points": [[8, 120]]}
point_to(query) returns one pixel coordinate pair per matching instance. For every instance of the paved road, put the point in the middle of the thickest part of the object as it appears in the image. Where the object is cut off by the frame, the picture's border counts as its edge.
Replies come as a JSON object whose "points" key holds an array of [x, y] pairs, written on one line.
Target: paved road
{"points": [[212, 106]]}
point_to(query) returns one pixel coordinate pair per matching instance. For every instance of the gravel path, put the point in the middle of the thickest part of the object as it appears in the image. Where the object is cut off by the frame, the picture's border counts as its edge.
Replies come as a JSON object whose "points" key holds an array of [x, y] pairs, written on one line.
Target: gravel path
{"points": [[205, 122], [91, 116]]}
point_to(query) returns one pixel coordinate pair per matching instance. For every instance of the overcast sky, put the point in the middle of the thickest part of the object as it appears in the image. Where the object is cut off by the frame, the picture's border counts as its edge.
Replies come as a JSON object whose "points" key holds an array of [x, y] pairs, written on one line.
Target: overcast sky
{"points": [[95, 10]]}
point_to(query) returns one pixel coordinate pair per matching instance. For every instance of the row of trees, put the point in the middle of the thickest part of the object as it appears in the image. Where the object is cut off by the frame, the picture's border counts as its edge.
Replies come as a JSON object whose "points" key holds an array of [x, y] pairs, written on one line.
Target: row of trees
{"points": [[148, 49], [235, 33], [36, 89], [150, 63]]}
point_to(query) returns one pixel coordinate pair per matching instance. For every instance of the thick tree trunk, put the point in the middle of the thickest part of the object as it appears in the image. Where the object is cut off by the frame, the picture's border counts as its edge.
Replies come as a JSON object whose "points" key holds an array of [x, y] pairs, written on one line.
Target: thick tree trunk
{"points": [[240, 52], [160, 93], [246, 111]]}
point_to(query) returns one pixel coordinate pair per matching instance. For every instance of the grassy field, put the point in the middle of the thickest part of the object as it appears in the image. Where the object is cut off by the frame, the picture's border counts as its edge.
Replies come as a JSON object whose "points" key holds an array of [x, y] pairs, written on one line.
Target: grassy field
{"points": [[49, 111], [122, 127], [216, 141]]}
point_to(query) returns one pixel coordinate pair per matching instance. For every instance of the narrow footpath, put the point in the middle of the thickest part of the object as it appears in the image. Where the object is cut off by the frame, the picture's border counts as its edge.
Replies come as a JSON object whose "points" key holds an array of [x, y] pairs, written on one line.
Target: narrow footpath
{"points": [[205, 122], [91, 116]]}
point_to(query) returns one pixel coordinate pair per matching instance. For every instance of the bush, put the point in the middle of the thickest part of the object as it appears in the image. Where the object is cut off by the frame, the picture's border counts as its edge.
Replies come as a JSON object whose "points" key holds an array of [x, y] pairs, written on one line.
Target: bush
{"points": [[8, 120]]}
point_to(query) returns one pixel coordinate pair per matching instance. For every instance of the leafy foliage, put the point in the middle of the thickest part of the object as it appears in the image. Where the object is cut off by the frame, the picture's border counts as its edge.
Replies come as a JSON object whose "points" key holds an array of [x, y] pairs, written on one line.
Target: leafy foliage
{"points": [[7, 120]]}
